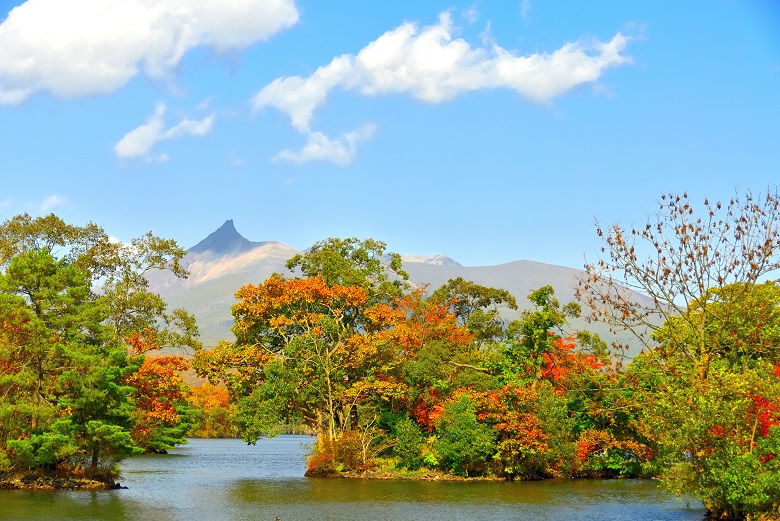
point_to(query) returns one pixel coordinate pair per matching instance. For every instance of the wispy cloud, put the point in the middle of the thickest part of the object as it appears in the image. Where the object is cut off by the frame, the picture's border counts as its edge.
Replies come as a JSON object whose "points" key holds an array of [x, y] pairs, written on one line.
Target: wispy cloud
{"points": [[432, 66], [51, 202], [234, 160], [82, 48], [319, 147], [139, 141], [525, 10], [471, 15]]}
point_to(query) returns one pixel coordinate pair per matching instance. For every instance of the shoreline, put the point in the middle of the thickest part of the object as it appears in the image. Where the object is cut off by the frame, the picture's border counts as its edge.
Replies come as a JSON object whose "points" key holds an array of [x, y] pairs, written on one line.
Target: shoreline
{"points": [[53, 482], [407, 475]]}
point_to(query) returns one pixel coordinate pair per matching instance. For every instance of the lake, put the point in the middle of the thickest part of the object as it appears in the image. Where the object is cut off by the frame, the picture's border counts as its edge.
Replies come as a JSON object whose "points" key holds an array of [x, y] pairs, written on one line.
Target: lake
{"points": [[228, 479]]}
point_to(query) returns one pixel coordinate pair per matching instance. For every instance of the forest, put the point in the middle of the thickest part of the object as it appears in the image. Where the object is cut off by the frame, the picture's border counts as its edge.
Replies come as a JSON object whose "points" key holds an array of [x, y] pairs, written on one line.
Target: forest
{"points": [[408, 382]]}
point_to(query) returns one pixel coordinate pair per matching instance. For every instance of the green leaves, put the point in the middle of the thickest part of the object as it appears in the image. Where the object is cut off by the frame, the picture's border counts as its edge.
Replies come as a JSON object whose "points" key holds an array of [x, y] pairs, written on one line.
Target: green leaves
{"points": [[464, 444], [477, 307], [43, 450], [352, 262], [63, 356]]}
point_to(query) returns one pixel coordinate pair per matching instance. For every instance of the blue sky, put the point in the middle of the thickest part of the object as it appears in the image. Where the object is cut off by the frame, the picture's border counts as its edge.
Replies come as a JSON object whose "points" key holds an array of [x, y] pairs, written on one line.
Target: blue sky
{"points": [[486, 131]]}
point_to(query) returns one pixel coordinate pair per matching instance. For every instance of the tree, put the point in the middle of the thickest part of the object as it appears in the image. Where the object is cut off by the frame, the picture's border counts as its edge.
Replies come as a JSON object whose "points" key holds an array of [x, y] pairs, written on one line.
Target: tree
{"points": [[477, 307], [706, 393], [522, 442], [352, 262], [68, 297], [741, 325], [213, 416], [719, 439], [160, 396], [62, 380], [412, 354], [292, 334], [680, 259], [336, 357], [535, 349], [286, 362], [464, 444], [117, 269]]}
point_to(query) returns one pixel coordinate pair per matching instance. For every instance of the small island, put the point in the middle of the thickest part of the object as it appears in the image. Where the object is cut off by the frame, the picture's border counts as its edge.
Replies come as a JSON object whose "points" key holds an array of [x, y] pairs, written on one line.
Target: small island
{"points": [[402, 381]]}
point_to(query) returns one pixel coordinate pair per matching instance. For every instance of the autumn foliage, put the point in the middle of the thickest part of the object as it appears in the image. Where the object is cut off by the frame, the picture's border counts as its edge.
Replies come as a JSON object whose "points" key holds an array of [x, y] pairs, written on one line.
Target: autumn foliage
{"points": [[159, 394]]}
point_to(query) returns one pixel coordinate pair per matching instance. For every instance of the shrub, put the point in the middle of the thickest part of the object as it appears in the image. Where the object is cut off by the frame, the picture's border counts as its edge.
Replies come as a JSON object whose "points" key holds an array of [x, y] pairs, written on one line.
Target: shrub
{"points": [[409, 444]]}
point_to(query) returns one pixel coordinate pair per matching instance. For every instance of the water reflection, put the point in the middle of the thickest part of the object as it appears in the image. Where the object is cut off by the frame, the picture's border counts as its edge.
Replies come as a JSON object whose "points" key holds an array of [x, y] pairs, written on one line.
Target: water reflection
{"points": [[227, 479]]}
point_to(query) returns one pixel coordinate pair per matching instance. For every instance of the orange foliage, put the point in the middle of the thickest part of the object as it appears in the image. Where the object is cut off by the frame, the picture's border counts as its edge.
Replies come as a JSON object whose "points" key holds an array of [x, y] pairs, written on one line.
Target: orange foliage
{"points": [[158, 385], [562, 362], [209, 397], [510, 410], [394, 334], [293, 303], [141, 343], [597, 442], [411, 322]]}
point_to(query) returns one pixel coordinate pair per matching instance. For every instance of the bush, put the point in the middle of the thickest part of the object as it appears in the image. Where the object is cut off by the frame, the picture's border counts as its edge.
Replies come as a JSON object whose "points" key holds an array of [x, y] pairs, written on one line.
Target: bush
{"points": [[409, 444], [464, 444]]}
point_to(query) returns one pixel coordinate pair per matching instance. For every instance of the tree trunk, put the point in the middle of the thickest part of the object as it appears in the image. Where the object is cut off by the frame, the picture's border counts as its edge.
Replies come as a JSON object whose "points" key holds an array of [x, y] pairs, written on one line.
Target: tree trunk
{"points": [[95, 452]]}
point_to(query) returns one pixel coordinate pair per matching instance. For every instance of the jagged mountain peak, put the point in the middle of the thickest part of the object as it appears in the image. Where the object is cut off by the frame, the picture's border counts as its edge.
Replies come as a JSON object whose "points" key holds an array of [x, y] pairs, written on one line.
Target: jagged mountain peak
{"points": [[225, 240]]}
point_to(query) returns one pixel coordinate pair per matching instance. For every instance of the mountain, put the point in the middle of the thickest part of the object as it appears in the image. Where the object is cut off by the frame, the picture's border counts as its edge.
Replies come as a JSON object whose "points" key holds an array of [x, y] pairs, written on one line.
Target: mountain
{"points": [[224, 261], [225, 241], [218, 266]]}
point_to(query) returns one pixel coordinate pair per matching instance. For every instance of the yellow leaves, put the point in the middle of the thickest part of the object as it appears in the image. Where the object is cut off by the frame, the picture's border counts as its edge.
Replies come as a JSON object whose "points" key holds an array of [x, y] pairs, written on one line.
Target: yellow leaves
{"points": [[294, 303], [209, 397], [280, 322]]}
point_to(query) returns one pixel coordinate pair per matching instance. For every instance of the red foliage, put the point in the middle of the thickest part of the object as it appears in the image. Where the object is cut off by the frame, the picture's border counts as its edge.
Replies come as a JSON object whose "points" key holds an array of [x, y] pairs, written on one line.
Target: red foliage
{"points": [[140, 343], [561, 361], [427, 410], [767, 414]]}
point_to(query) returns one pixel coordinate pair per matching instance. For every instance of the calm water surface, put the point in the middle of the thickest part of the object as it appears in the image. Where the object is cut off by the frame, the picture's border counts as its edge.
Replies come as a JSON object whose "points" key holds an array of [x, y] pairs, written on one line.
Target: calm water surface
{"points": [[227, 479]]}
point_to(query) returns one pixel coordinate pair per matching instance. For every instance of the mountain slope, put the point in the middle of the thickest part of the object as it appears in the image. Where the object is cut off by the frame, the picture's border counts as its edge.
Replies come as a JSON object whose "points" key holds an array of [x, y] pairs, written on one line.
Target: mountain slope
{"points": [[224, 261]]}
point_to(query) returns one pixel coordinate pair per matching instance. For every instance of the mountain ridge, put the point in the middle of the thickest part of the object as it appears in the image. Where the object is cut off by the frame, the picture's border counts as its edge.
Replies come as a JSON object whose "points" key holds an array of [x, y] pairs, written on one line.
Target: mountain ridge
{"points": [[225, 261]]}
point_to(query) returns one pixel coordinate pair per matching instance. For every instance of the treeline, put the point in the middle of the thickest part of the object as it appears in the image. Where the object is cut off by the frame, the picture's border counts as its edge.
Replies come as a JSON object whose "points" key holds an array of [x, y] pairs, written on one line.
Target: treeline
{"points": [[395, 378], [390, 378]]}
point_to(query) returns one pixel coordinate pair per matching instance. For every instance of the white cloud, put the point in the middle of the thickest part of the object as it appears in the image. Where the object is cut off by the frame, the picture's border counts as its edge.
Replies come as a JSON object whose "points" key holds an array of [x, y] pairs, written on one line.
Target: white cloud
{"points": [[51, 202], [299, 97], [139, 141], [525, 10], [319, 147], [83, 47], [430, 65]]}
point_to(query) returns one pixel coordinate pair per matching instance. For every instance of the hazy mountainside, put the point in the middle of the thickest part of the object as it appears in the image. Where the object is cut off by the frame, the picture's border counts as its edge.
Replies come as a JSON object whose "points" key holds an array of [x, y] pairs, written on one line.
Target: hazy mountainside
{"points": [[219, 265], [224, 261]]}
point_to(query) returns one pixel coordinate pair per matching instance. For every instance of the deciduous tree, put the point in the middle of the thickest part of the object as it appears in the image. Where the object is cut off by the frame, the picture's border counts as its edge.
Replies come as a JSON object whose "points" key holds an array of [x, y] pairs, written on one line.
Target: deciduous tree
{"points": [[477, 307], [683, 258]]}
